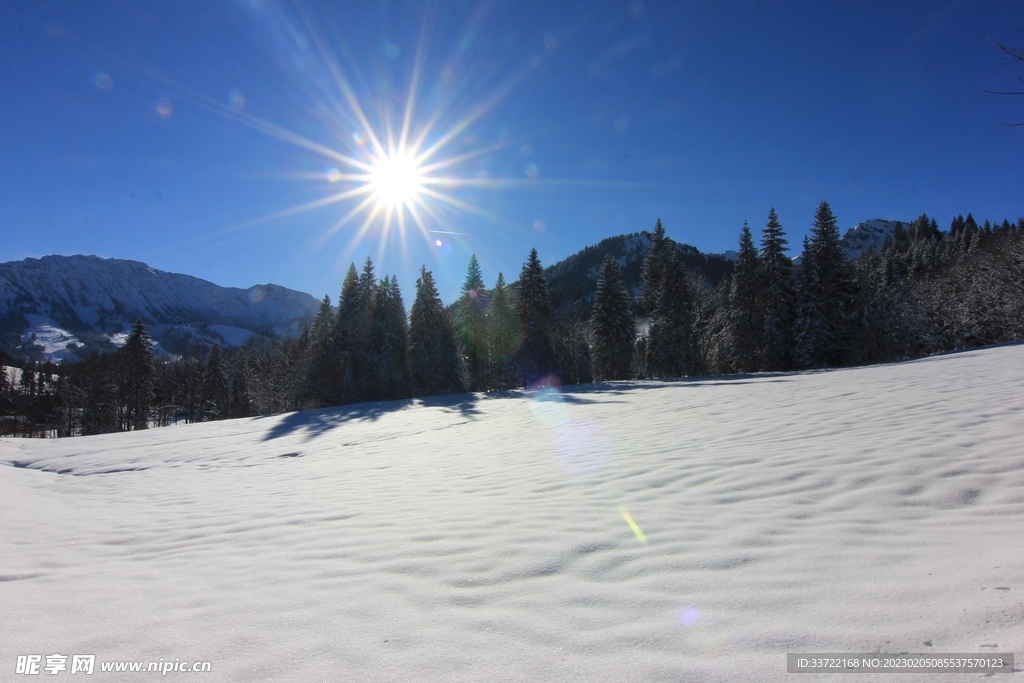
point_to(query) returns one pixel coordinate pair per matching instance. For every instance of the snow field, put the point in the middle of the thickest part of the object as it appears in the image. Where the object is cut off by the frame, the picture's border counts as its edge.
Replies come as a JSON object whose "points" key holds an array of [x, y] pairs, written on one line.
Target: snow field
{"points": [[472, 538]]}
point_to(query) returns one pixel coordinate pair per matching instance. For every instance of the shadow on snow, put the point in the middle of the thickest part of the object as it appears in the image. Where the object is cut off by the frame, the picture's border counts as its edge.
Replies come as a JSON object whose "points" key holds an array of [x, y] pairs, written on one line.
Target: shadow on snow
{"points": [[317, 422]]}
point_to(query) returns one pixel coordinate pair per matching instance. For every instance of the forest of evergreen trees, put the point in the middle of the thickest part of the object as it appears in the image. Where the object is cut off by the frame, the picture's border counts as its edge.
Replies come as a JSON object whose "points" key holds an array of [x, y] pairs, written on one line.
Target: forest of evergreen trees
{"points": [[925, 291]]}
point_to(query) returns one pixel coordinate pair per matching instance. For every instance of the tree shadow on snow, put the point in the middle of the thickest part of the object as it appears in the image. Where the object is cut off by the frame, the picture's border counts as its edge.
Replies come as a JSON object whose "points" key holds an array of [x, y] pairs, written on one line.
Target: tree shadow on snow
{"points": [[314, 423]]}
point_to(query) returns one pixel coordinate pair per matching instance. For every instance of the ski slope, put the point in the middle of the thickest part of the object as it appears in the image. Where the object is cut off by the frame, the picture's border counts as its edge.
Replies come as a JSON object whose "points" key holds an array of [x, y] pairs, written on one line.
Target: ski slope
{"points": [[488, 538]]}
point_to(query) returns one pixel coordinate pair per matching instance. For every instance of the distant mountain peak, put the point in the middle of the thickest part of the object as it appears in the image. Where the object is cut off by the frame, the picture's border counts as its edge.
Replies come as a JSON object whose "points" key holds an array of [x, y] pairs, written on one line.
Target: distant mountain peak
{"points": [[57, 306]]}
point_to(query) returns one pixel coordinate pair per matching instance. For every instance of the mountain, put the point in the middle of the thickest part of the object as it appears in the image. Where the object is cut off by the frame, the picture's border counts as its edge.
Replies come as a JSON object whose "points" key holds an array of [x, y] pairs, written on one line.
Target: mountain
{"points": [[868, 236], [59, 306]]}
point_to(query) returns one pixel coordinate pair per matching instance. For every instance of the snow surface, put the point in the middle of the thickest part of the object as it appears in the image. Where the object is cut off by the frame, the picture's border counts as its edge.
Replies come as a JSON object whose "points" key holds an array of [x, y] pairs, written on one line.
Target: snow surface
{"points": [[480, 538], [46, 333]]}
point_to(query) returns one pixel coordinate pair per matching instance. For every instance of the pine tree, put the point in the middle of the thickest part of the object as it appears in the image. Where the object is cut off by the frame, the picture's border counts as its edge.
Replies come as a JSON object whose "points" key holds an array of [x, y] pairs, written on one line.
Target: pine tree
{"points": [[433, 348], [100, 404], [536, 356], [366, 296], [669, 337], [215, 385], [139, 368], [612, 325], [504, 334], [346, 338], [665, 295], [471, 320], [826, 294], [239, 402], [389, 342], [746, 319], [321, 366], [779, 297], [655, 262]]}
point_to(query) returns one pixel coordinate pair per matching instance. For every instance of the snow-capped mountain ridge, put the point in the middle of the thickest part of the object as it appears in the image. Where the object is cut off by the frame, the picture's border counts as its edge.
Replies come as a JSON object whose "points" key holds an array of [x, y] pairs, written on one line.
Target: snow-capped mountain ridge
{"points": [[89, 300], [868, 236]]}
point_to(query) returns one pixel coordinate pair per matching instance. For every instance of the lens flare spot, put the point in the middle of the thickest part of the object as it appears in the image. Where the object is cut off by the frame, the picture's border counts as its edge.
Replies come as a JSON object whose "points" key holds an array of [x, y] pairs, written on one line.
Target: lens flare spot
{"points": [[531, 170], [539, 225], [438, 243], [333, 174], [163, 106], [358, 137], [688, 616], [624, 513], [103, 81]]}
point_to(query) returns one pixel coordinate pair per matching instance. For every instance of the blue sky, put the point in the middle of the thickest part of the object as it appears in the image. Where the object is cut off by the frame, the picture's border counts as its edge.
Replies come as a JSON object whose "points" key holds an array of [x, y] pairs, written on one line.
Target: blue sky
{"points": [[228, 139]]}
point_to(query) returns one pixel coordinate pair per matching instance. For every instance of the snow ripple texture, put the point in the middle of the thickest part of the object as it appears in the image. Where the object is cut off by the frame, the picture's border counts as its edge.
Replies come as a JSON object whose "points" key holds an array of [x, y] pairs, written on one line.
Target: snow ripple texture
{"points": [[475, 538]]}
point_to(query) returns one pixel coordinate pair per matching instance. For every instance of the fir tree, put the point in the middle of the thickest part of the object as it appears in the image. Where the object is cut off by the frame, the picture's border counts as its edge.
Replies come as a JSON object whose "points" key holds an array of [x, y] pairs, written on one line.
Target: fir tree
{"points": [[433, 349], [100, 399], [389, 342], [504, 334], [612, 325], [139, 367], [665, 294], [239, 402], [321, 366], [779, 297], [346, 338], [215, 385], [826, 292], [669, 337], [747, 320], [367, 293], [655, 262], [471, 321], [536, 356]]}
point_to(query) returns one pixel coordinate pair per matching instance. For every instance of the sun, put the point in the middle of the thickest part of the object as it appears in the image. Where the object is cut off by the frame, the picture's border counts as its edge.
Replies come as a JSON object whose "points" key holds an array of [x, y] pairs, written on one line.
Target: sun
{"points": [[395, 180]]}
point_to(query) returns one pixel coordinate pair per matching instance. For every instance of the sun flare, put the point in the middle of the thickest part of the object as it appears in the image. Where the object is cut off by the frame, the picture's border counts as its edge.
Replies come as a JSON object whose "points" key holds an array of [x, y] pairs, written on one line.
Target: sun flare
{"points": [[395, 180]]}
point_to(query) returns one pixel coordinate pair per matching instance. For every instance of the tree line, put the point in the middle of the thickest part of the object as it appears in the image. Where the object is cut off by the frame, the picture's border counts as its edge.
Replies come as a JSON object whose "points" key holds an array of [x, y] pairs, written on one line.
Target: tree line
{"points": [[924, 291]]}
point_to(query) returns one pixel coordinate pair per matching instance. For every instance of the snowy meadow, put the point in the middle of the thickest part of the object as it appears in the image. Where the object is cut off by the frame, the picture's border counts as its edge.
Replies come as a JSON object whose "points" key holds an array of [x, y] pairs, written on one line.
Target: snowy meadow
{"points": [[690, 530]]}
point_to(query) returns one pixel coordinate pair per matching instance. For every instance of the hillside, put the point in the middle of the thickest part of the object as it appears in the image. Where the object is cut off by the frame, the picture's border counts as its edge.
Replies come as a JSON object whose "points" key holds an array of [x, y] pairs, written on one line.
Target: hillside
{"points": [[574, 279], [58, 306], [638, 531]]}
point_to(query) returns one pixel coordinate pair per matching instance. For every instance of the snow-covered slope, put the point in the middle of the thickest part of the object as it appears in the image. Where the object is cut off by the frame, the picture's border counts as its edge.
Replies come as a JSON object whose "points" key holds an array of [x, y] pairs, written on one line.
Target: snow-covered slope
{"points": [[488, 538], [59, 300], [868, 236]]}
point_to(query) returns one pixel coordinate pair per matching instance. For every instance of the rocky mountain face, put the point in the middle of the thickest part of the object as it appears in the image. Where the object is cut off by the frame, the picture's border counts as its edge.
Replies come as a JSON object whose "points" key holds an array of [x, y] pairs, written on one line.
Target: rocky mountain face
{"points": [[58, 307], [868, 236]]}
